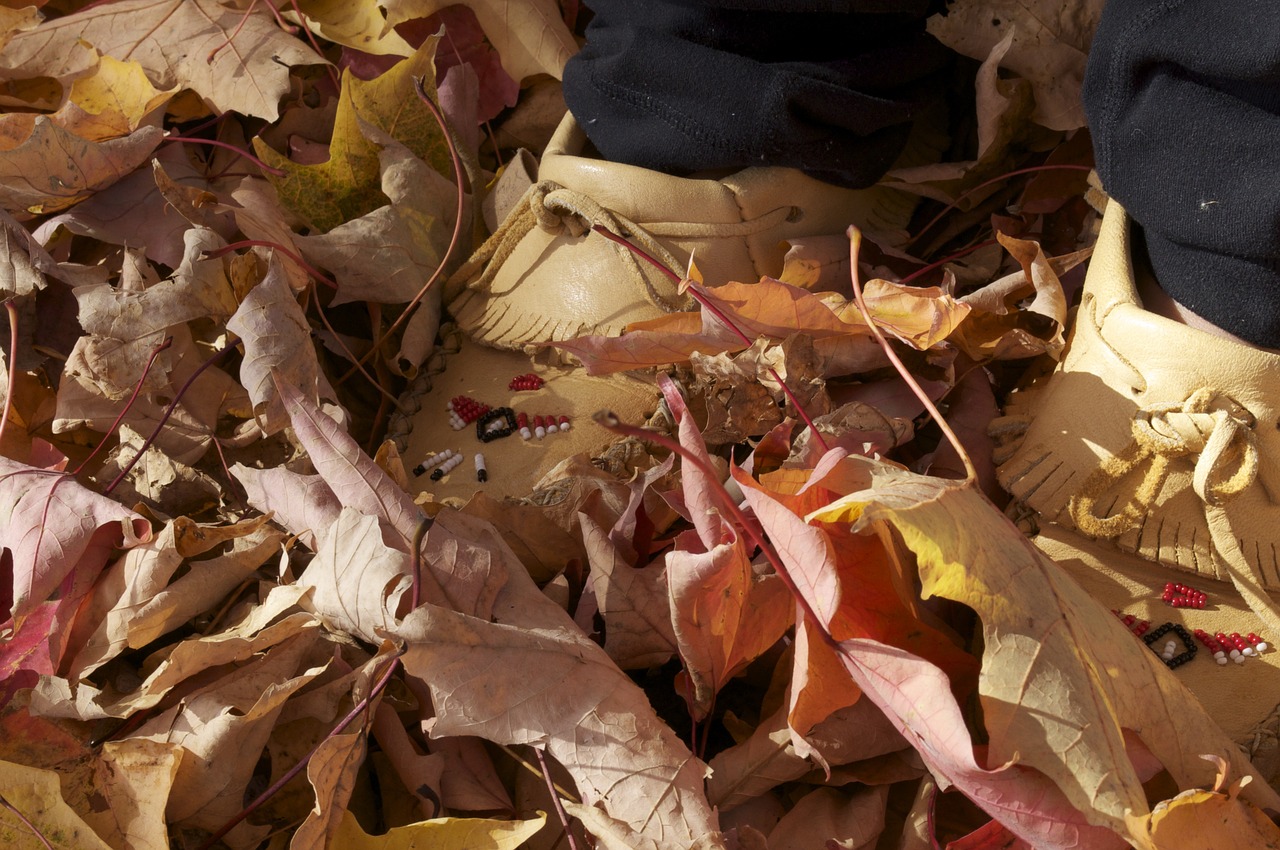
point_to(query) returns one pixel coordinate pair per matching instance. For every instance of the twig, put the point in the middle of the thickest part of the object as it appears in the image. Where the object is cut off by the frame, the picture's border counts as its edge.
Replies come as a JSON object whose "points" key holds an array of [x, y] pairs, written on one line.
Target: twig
{"points": [[13, 365], [284, 780], [155, 352], [555, 799], [173, 405], [29, 825], [855, 244]]}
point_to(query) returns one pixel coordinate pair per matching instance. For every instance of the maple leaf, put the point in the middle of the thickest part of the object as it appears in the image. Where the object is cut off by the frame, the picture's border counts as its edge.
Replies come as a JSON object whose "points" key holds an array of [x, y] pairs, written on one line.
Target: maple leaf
{"points": [[49, 168], [359, 24], [1061, 678], [529, 36], [277, 346], [55, 529], [346, 186], [175, 42], [1049, 47]]}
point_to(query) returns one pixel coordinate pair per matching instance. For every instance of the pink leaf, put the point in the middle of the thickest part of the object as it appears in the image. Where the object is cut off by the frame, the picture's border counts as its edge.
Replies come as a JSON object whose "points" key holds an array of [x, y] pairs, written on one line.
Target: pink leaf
{"points": [[53, 527]]}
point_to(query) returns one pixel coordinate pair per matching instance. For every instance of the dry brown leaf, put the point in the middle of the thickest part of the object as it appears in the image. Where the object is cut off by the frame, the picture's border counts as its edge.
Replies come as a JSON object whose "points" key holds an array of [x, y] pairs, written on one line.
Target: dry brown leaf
{"points": [[357, 582], [172, 40], [333, 770], [277, 342], [223, 727], [137, 599], [633, 602], [1050, 43], [589, 716], [529, 36], [830, 817], [135, 778], [69, 168]]}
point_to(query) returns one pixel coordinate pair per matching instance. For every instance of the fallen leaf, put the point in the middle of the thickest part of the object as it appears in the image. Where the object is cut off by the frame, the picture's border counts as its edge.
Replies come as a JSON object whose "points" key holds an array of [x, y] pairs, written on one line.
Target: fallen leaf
{"points": [[277, 347], [303, 504], [360, 25], [69, 168], [829, 817], [54, 530], [223, 728], [1050, 43], [173, 41], [37, 795], [578, 705], [357, 583], [633, 603], [137, 211], [440, 834], [529, 37], [136, 778], [138, 599], [346, 186], [112, 101], [1061, 680]]}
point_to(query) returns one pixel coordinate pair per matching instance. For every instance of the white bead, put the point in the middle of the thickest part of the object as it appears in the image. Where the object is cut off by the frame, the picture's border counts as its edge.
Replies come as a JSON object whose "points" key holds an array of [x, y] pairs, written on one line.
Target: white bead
{"points": [[525, 433], [1262, 646], [540, 432], [1222, 659]]}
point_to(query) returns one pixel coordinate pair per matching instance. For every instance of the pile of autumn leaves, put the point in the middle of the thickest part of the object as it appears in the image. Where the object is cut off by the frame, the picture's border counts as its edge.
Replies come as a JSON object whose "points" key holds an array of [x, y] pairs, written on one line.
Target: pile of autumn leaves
{"points": [[160, 673]]}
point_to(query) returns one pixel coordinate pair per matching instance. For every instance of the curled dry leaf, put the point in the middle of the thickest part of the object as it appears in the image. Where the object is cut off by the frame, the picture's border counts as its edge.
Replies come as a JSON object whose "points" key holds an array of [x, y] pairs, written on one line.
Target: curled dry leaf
{"points": [[223, 727], [137, 600], [1050, 43], [277, 347]]}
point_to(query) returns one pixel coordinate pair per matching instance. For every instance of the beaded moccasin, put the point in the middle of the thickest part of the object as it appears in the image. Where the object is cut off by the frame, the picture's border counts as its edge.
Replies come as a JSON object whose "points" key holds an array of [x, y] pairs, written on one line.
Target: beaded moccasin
{"points": [[545, 275], [1152, 456]]}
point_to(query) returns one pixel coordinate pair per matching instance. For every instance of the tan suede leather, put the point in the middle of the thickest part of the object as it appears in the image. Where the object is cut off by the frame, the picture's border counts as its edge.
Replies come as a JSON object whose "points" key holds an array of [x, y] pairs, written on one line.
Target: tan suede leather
{"points": [[516, 465], [1162, 442], [551, 278], [1124, 364]]}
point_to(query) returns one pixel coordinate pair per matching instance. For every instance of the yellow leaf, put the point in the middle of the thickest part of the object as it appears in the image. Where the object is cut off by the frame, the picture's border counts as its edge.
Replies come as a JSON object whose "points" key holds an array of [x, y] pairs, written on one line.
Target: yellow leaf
{"points": [[37, 795], [390, 103], [111, 102], [1061, 681], [1207, 820], [344, 187], [348, 185], [353, 24], [440, 834]]}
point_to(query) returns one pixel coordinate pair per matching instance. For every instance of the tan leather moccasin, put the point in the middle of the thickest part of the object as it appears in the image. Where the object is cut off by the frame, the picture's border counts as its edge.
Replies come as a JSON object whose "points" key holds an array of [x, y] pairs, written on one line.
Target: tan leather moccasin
{"points": [[1152, 455], [545, 275]]}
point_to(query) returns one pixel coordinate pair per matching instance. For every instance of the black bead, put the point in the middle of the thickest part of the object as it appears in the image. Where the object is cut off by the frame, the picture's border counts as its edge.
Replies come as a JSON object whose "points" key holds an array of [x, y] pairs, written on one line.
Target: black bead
{"points": [[437, 474]]}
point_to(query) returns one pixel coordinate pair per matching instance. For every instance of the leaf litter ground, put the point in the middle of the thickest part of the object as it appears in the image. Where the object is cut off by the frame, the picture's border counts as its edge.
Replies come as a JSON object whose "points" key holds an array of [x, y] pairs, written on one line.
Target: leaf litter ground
{"points": [[782, 615]]}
